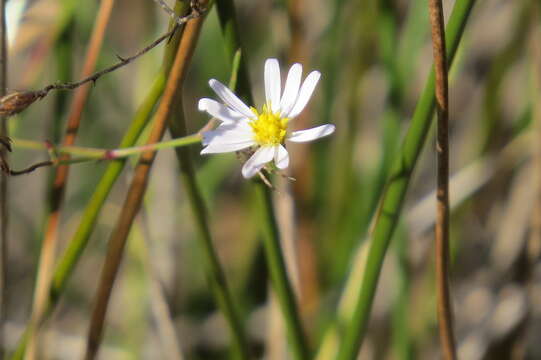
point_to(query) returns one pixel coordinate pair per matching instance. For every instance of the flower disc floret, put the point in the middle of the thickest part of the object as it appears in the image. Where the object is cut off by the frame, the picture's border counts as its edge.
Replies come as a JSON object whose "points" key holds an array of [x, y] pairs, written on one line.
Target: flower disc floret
{"points": [[269, 128]]}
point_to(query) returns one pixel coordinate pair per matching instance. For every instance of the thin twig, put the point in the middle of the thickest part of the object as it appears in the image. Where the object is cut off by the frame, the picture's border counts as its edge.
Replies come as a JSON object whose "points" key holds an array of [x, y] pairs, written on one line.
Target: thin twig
{"points": [[16, 102], [445, 313], [3, 178], [137, 189], [123, 62]]}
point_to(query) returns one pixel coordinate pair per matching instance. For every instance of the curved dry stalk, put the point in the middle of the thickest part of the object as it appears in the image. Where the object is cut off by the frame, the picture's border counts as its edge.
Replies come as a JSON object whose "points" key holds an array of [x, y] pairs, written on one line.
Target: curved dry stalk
{"points": [[138, 186], [445, 312], [49, 243], [18, 101]]}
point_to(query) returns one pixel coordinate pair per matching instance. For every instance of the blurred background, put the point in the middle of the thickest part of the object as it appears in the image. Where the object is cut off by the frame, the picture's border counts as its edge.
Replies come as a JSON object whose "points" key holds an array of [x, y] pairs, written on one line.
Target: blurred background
{"points": [[374, 56]]}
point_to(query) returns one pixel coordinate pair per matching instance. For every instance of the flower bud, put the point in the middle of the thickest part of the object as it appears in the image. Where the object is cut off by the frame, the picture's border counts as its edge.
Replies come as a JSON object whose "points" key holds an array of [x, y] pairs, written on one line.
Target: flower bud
{"points": [[16, 102]]}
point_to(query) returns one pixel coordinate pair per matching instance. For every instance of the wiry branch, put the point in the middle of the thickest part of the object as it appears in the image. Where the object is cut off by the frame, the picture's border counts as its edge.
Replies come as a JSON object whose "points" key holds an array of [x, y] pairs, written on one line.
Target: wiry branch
{"points": [[16, 102]]}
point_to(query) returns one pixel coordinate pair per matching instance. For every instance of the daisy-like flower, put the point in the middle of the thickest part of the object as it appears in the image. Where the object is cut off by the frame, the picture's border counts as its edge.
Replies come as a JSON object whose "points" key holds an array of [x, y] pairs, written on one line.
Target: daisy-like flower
{"points": [[265, 130]]}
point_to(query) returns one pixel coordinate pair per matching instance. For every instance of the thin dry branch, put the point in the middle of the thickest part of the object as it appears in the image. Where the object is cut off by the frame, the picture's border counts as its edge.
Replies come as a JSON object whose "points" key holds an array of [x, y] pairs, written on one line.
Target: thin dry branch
{"points": [[138, 186], [445, 313], [18, 101]]}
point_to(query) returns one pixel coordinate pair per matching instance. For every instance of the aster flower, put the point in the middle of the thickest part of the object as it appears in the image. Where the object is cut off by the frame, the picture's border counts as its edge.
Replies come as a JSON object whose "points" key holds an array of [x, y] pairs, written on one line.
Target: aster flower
{"points": [[266, 130]]}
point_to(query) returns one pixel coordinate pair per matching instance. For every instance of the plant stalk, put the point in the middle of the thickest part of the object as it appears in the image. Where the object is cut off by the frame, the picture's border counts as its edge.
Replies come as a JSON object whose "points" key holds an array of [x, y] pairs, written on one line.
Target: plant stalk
{"points": [[395, 192], [138, 187]]}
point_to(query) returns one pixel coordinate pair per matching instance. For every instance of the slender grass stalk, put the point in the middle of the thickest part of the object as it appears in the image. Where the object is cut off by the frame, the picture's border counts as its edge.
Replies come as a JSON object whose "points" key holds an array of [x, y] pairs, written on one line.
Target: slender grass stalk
{"points": [[138, 187], [271, 244], [73, 252], [445, 311], [4, 205], [49, 244], [395, 192]]}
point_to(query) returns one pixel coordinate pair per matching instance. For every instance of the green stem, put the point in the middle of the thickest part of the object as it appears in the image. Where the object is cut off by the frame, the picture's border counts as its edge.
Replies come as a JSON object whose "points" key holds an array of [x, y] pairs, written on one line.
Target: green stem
{"points": [[278, 271], [395, 192], [106, 154]]}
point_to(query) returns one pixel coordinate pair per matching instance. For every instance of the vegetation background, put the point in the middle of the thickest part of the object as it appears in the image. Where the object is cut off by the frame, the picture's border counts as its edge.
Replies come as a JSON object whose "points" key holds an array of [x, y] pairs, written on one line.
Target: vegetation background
{"points": [[375, 57]]}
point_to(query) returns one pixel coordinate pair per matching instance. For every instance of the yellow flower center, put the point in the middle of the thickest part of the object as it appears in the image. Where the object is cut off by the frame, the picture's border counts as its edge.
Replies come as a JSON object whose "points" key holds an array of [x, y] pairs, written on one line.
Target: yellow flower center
{"points": [[269, 128]]}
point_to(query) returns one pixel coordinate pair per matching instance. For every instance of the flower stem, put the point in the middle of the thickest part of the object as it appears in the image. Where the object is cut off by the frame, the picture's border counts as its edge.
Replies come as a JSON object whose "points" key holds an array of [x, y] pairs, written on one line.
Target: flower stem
{"points": [[395, 192], [273, 251], [278, 271]]}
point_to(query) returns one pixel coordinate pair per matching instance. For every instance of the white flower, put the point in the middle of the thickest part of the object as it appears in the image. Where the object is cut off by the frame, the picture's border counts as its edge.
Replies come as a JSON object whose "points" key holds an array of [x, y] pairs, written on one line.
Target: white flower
{"points": [[243, 127]]}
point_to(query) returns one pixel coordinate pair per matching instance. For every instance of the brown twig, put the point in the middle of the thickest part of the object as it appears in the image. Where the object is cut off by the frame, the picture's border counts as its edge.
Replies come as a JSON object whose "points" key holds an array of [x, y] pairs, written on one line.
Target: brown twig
{"points": [[138, 186], [445, 313], [16, 102], [3, 178], [48, 248], [31, 168]]}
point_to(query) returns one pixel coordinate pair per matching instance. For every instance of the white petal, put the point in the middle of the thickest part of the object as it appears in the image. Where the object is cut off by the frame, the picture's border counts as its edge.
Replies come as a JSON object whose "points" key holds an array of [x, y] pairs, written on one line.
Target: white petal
{"points": [[214, 148], [305, 93], [272, 84], [281, 157], [227, 134], [219, 111], [262, 156], [241, 125], [311, 134], [291, 90], [230, 99]]}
